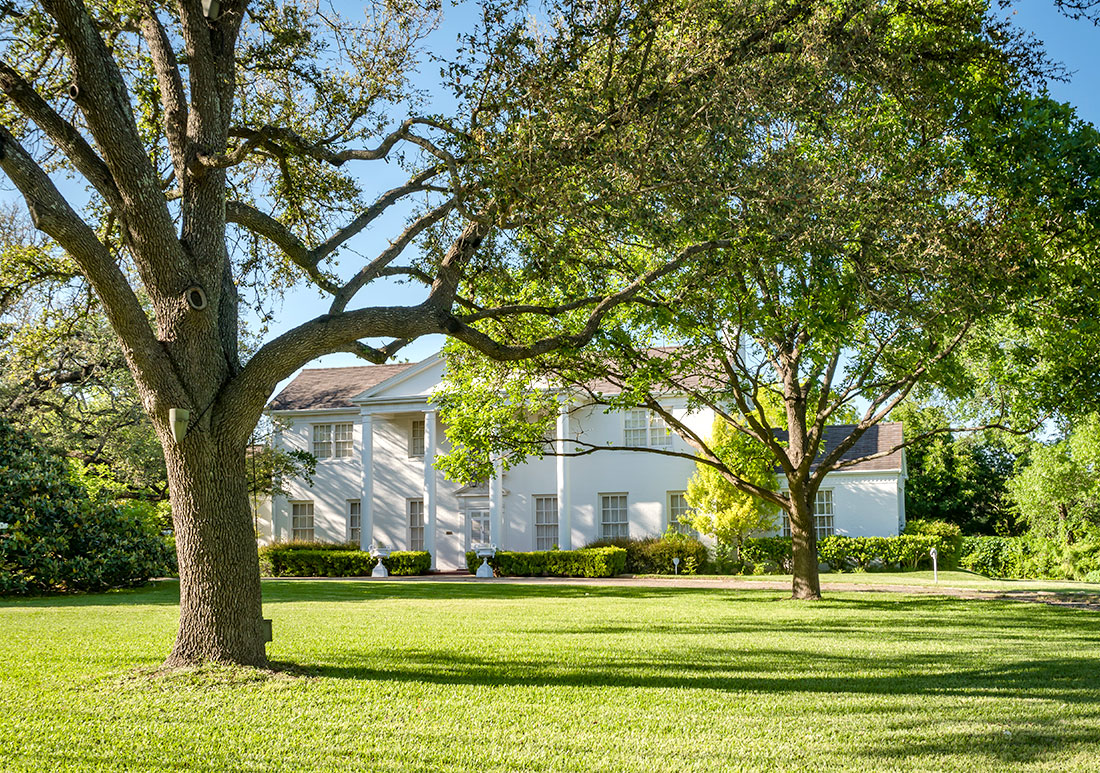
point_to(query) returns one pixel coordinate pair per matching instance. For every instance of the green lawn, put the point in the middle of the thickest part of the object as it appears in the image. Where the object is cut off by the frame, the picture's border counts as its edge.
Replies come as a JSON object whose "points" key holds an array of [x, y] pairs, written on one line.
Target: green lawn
{"points": [[503, 677], [947, 580]]}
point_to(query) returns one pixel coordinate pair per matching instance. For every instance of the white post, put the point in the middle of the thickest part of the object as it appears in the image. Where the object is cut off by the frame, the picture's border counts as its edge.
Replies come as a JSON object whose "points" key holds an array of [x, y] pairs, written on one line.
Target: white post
{"points": [[496, 503], [429, 484], [565, 509], [366, 500]]}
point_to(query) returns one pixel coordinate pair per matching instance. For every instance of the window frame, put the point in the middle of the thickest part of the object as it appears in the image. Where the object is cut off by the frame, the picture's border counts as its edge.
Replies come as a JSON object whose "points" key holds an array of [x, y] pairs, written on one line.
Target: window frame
{"points": [[311, 515], [355, 513], [417, 532], [633, 424], [322, 447], [824, 523], [417, 440], [671, 522], [334, 439], [546, 525], [617, 529]]}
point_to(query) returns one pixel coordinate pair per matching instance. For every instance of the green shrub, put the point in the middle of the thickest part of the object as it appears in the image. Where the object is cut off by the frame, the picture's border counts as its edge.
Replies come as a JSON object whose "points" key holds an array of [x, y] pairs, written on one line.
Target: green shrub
{"points": [[586, 562], [777, 550], [907, 551], [653, 555], [994, 556], [307, 559], [56, 538]]}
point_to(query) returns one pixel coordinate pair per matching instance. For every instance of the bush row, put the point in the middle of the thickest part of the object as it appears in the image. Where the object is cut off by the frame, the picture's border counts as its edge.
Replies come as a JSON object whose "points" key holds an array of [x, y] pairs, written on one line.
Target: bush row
{"points": [[586, 562], [653, 555], [298, 560], [907, 551]]}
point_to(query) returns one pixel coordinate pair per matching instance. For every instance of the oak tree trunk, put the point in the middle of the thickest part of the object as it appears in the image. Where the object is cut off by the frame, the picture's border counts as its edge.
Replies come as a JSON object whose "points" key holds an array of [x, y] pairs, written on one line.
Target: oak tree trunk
{"points": [[806, 581], [220, 597]]}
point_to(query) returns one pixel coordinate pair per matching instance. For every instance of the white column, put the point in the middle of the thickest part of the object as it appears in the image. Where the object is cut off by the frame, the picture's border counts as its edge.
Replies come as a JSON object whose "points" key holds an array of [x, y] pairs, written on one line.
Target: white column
{"points": [[366, 498], [496, 504], [429, 484], [565, 505]]}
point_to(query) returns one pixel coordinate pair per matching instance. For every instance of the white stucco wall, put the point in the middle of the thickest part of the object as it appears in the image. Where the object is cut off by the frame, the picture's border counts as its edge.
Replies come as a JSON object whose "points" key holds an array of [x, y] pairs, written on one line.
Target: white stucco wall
{"points": [[335, 483]]}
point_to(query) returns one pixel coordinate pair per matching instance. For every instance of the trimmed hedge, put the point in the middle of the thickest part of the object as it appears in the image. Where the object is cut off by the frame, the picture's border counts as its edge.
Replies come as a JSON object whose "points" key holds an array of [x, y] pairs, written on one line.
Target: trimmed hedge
{"points": [[909, 551], [311, 560], [653, 555], [586, 562]]}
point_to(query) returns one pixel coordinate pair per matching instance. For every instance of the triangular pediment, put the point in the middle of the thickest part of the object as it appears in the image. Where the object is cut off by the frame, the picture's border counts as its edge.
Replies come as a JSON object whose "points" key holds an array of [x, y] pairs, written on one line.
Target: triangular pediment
{"points": [[418, 381]]}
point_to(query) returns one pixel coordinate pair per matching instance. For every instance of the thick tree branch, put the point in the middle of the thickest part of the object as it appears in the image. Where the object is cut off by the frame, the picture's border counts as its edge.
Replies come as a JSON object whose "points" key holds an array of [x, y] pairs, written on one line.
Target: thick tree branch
{"points": [[53, 215], [172, 94], [63, 133]]}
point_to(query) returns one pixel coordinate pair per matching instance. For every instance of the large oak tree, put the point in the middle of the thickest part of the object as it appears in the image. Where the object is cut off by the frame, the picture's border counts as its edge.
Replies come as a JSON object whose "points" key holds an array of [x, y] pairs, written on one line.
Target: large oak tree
{"points": [[192, 156]]}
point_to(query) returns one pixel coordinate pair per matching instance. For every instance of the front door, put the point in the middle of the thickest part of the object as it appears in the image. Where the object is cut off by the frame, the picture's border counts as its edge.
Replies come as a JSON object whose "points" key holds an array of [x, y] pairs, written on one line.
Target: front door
{"points": [[477, 526], [477, 522]]}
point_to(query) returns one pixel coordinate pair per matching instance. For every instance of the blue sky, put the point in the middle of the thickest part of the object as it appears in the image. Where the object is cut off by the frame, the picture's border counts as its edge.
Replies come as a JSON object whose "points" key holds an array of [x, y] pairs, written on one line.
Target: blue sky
{"points": [[1076, 44]]}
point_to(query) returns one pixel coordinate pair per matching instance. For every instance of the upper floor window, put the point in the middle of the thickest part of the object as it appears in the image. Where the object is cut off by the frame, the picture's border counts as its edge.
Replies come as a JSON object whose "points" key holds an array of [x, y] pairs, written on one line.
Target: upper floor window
{"points": [[333, 441], [645, 428], [416, 438]]}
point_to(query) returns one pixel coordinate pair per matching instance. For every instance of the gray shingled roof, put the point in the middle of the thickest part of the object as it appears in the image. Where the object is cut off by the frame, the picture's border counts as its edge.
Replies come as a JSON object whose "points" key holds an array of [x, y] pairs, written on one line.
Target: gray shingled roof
{"points": [[879, 438], [316, 388]]}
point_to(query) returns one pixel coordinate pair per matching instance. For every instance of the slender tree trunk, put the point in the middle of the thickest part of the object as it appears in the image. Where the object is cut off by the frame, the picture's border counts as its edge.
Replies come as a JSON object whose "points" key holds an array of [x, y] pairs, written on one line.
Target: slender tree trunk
{"points": [[220, 598], [806, 584]]}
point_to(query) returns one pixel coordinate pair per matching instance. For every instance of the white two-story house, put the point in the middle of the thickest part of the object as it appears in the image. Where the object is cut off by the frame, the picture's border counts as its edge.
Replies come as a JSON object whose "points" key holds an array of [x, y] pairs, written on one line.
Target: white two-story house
{"points": [[376, 435]]}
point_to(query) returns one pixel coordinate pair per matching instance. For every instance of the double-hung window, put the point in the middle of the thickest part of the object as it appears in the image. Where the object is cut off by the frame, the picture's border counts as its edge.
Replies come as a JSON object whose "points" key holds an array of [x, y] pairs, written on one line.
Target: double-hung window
{"points": [[824, 525], [546, 523], [333, 441], [644, 428], [823, 514], [416, 438], [416, 524], [355, 522], [301, 521], [658, 431], [636, 427], [677, 507], [613, 518]]}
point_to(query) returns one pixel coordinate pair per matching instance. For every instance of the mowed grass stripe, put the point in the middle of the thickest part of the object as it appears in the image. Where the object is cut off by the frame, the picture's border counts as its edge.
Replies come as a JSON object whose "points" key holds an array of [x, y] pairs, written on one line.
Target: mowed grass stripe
{"points": [[395, 676]]}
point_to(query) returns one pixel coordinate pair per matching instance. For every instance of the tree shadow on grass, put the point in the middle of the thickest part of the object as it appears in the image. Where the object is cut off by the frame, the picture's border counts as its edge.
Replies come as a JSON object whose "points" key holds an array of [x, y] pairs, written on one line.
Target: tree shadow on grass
{"points": [[1011, 743], [156, 592], [1068, 680]]}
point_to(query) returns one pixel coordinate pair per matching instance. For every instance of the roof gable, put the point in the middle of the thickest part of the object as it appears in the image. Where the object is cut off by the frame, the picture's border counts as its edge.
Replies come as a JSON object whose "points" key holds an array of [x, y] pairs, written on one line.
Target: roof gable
{"points": [[417, 380], [321, 388]]}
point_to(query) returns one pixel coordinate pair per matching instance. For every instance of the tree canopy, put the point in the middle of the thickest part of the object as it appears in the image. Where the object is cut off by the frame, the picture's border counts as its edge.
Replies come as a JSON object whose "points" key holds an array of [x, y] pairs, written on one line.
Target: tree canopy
{"points": [[894, 210]]}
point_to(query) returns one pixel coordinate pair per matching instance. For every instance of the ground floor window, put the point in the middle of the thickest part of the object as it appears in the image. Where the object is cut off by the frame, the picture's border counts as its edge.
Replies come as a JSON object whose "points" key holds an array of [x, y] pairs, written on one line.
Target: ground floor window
{"points": [[301, 521], [824, 525], [416, 524], [546, 523], [355, 522], [613, 520], [678, 507]]}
